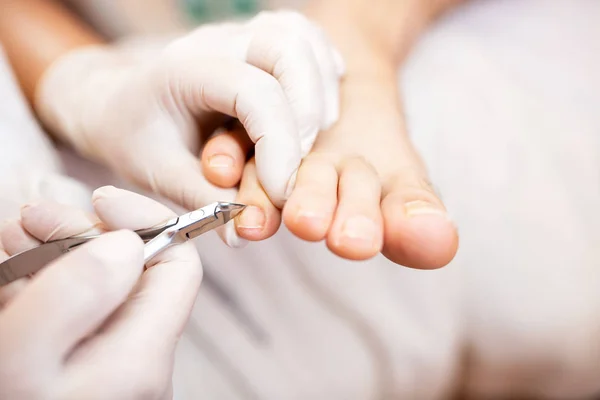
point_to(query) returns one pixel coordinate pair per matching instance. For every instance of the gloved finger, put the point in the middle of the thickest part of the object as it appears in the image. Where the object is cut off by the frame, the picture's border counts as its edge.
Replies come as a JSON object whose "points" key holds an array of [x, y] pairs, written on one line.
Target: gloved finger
{"points": [[47, 220], [122, 209], [254, 97], [261, 219], [332, 68], [289, 58], [328, 59], [142, 334], [15, 238], [70, 298], [224, 157], [9, 291], [41, 222]]}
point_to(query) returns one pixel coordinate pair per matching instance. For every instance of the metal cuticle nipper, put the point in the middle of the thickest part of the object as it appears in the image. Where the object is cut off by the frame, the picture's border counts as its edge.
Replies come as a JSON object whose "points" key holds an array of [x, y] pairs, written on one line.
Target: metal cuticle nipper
{"points": [[157, 239]]}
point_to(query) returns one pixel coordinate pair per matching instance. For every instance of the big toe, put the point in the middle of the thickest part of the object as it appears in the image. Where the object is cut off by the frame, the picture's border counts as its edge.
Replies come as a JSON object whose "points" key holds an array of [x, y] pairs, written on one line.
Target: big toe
{"points": [[418, 233]]}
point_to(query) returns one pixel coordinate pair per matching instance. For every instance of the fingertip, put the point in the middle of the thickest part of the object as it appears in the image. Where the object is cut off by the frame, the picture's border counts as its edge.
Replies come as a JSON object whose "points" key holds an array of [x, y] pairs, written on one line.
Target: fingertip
{"points": [[119, 209], [29, 210], [104, 192], [48, 220], [14, 237]]}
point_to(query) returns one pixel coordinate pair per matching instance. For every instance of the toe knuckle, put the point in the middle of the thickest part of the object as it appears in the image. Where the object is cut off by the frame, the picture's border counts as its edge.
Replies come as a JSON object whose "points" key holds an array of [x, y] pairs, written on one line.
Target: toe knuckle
{"points": [[320, 159], [415, 177], [412, 182], [357, 161]]}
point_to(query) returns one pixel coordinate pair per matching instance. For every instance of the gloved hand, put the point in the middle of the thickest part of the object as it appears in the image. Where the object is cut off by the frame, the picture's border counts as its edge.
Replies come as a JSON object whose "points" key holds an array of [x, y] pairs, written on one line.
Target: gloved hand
{"points": [[31, 165], [93, 325], [146, 115]]}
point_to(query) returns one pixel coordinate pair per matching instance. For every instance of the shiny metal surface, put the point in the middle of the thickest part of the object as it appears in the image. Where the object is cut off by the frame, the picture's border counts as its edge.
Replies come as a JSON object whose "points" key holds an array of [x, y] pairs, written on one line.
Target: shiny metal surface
{"points": [[159, 238]]}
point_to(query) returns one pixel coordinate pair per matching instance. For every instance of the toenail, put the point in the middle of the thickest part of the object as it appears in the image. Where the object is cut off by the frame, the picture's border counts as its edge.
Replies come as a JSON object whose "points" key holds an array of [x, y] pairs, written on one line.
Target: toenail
{"points": [[221, 161], [310, 215], [252, 218], [360, 228], [420, 207], [315, 219]]}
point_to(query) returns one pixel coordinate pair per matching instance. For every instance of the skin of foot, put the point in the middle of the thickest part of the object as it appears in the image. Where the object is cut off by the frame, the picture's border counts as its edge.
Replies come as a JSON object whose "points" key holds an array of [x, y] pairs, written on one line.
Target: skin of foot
{"points": [[363, 188]]}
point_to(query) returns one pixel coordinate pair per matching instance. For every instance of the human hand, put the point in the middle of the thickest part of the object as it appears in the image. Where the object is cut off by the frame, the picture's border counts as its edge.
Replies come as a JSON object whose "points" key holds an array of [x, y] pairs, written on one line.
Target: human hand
{"points": [[148, 117], [94, 324], [363, 187], [31, 165]]}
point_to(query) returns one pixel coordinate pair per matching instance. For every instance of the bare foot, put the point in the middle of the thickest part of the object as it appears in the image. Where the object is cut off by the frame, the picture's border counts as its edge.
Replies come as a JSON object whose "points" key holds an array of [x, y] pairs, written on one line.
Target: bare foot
{"points": [[363, 188]]}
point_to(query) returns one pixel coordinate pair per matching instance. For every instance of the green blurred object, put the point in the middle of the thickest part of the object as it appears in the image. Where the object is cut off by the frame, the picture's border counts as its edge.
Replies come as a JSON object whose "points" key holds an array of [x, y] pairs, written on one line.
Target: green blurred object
{"points": [[210, 10], [196, 9], [245, 6]]}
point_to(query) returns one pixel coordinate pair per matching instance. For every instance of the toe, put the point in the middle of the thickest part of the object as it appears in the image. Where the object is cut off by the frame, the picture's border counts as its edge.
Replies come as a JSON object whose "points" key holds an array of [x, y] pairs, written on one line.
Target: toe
{"points": [[47, 220], [261, 219], [418, 232], [309, 211], [357, 230], [224, 156]]}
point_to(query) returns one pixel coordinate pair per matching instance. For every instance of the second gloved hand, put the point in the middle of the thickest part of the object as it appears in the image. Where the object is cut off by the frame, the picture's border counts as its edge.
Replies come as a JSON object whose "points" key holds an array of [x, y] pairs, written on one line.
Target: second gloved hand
{"points": [[147, 116]]}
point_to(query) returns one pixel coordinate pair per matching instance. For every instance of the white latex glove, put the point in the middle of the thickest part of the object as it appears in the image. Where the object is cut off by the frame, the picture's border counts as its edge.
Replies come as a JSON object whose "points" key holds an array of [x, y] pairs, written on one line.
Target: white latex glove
{"points": [[31, 166], [93, 324], [147, 116]]}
